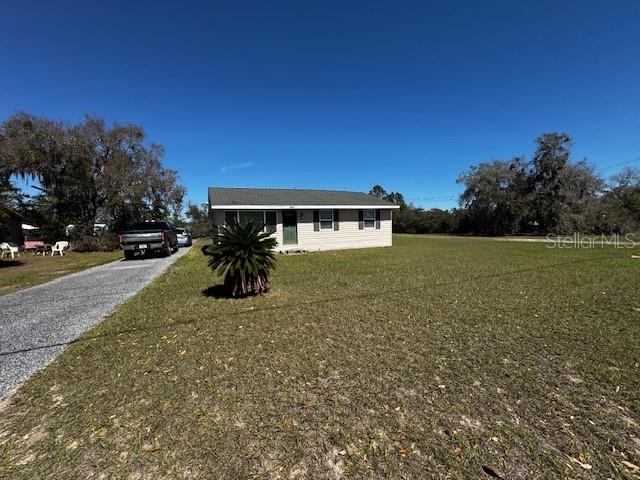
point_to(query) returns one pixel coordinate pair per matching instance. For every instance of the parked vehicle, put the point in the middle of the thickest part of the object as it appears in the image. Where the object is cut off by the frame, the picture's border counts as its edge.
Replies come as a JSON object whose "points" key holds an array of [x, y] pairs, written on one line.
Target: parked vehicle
{"points": [[98, 229], [151, 236], [184, 237]]}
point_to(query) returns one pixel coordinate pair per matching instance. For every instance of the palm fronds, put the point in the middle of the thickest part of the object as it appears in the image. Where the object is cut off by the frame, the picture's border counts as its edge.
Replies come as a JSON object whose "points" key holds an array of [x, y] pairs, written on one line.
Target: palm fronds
{"points": [[244, 257]]}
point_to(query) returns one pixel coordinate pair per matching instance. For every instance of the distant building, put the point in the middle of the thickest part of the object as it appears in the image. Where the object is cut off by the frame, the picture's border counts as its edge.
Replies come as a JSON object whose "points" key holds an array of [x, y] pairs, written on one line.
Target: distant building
{"points": [[11, 226]]}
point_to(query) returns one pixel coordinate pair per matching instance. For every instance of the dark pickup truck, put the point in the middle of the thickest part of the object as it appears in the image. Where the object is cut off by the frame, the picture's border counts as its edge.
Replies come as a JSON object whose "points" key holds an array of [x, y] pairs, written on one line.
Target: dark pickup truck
{"points": [[149, 237]]}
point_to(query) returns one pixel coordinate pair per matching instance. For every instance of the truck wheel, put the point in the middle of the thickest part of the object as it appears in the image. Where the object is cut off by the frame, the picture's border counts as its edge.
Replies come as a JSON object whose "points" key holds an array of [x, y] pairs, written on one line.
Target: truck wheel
{"points": [[129, 254]]}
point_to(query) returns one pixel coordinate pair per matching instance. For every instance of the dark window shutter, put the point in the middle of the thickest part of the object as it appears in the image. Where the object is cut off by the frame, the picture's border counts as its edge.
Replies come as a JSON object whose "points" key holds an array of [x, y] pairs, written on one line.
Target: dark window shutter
{"points": [[336, 219], [316, 220], [378, 219], [360, 219]]}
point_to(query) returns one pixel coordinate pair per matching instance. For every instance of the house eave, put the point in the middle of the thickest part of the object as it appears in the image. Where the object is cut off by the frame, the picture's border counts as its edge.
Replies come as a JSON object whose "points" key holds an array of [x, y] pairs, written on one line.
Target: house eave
{"points": [[12, 213]]}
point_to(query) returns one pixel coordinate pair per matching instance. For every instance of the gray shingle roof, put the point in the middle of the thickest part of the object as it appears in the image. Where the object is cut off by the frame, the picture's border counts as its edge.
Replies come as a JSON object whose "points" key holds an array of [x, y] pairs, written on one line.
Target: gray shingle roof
{"points": [[291, 197]]}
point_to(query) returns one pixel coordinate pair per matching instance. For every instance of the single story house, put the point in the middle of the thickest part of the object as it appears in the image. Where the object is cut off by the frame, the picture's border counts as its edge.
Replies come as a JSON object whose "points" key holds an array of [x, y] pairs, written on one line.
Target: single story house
{"points": [[308, 219]]}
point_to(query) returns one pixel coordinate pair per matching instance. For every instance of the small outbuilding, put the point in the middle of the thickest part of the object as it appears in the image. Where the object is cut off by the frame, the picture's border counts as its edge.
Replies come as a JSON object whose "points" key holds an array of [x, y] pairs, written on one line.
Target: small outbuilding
{"points": [[308, 219], [11, 226]]}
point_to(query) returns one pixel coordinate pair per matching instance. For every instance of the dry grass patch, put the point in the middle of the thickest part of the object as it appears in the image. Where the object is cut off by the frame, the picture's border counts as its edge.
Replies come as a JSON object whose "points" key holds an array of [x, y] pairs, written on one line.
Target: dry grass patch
{"points": [[442, 358], [29, 270]]}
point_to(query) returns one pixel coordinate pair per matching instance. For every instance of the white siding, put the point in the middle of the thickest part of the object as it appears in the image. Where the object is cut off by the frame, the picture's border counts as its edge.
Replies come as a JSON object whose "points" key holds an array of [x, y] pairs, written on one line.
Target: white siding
{"points": [[348, 235]]}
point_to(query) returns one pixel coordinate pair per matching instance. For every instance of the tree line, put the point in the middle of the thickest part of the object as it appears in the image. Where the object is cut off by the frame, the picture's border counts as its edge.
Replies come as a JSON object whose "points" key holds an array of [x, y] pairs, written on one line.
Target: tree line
{"points": [[90, 172], [550, 193], [85, 173]]}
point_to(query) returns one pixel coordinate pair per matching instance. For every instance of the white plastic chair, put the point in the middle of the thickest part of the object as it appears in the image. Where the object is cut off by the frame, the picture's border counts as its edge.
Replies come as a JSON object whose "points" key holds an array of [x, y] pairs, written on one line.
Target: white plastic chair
{"points": [[59, 247], [8, 249]]}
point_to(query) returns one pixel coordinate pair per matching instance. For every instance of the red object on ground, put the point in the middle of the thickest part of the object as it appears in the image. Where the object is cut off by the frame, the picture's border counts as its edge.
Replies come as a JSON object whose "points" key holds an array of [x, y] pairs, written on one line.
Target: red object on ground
{"points": [[33, 244]]}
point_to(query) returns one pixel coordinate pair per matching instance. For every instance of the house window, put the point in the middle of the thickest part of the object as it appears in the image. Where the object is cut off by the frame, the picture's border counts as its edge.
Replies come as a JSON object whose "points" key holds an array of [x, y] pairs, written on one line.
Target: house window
{"points": [[369, 218], [326, 219], [266, 219], [246, 217], [230, 216]]}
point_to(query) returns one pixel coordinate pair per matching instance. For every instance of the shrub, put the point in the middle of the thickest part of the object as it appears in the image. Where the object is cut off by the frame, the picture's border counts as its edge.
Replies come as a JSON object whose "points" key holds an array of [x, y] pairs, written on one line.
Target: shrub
{"points": [[107, 242], [244, 256]]}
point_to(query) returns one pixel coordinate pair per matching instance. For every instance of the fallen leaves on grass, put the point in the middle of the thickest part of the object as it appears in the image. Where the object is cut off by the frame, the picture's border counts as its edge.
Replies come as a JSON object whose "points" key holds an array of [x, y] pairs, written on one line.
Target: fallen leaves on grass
{"points": [[630, 465], [26, 459], [72, 445], [464, 369], [581, 460]]}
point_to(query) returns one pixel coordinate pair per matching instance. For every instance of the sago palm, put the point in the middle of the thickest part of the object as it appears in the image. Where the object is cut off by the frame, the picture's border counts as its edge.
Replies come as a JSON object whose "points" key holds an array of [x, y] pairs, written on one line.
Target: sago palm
{"points": [[244, 257]]}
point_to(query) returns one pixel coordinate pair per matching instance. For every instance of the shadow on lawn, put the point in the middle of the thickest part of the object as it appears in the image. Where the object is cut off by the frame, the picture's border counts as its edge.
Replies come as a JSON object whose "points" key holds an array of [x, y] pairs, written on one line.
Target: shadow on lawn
{"points": [[10, 263], [216, 291], [212, 291]]}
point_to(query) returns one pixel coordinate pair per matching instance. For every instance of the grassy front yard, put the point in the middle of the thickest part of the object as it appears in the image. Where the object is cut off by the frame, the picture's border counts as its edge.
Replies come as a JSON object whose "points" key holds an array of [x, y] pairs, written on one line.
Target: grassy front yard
{"points": [[28, 270], [438, 357]]}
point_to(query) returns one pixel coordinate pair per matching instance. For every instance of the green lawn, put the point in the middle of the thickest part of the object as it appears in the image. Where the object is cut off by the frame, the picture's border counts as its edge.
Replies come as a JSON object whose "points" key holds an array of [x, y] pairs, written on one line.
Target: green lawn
{"points": [[434, 358], [29, 270]]}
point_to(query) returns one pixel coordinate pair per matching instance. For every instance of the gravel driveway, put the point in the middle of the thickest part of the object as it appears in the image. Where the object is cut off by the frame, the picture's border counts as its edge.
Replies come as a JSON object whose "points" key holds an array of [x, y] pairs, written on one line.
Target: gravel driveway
{"points": [[37, 323]]}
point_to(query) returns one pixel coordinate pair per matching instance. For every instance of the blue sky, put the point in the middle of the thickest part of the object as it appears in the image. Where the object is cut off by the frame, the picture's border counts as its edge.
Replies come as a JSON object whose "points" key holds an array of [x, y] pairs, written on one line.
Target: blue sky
{"points": [[338, 95]]}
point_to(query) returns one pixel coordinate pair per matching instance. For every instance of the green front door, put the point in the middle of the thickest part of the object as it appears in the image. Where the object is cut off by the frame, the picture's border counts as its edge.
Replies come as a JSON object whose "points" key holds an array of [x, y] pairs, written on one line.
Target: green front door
{"points": [[289, 227]]}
